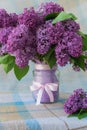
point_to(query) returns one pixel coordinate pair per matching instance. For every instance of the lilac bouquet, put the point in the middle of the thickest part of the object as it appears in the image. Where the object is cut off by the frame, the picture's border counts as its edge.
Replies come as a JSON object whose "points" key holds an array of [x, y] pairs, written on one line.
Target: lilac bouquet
{"points": [[48, 35], [76, 104]]}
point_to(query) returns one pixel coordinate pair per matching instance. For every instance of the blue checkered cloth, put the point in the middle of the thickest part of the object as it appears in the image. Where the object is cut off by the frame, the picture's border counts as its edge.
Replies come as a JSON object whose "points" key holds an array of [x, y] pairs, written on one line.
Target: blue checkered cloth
{"points": [[19, 112]]}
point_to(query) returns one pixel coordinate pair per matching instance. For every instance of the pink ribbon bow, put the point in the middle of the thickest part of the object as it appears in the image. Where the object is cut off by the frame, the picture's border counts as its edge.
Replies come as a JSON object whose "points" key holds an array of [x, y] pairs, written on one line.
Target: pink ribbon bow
{"points": [[49, 87]]}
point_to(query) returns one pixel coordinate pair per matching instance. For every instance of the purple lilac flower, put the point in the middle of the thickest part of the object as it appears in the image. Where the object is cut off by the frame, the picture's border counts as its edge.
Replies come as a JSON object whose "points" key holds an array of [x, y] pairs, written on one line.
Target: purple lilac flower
{"points": [[30, 18], [24, 55], [20, 44], [75, 101], [49, 7], [84, 106], [3, 49], [80, 93], [43, 41], [61, 54], [14, 19], [55, 32], [71, 25], [21, 58], [4, 33], [5, 19], [18, 38], [74, 43], [72, 105]]}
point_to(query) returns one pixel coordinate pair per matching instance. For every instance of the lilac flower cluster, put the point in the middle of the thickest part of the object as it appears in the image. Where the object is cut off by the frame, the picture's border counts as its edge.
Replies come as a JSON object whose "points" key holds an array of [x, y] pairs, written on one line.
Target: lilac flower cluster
{"points": [[70, 44], [24, 55], [55, 33], [14, 19], [84, 106], [47, 35], [18, 38], [7, 20], [76, 101], [30, 18], [19, 44], [62, 54], [4, 18], [4, 33], [50, 7], [71, 25], [43, 41], [74, 44], [29, 35]]}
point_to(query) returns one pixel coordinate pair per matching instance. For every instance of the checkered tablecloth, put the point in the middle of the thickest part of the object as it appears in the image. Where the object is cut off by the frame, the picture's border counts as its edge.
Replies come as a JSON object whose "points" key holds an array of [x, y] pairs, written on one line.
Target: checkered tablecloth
{"points": [[18, 111]]}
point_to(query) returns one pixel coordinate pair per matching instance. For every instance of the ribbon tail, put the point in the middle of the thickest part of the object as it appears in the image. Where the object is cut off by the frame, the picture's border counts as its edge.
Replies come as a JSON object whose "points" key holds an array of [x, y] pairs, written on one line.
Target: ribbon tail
{"points": [[33, 88], [39, 95], [50, 94], [53, 86]]}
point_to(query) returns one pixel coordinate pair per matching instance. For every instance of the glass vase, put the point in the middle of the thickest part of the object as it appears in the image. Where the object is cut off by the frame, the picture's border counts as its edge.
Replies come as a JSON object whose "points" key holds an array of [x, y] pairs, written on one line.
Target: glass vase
{"points": [[45, 85]]}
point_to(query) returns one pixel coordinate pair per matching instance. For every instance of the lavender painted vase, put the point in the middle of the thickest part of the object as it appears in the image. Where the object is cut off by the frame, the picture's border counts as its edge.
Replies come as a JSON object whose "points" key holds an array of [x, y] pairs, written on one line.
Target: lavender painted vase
{"points": [[45, 86]]}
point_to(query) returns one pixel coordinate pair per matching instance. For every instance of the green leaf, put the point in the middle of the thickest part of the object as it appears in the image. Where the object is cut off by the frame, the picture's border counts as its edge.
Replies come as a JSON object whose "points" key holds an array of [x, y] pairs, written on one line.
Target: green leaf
{"points": [[82, 113], [8, 62], [20, 72], [73, 17], [84, 41], [52, 61], [81, 33], [50, 58], [64, 16], [51, 16], [8, 67], [80, 61], [47, 56], [74, 114], [4, 59]]}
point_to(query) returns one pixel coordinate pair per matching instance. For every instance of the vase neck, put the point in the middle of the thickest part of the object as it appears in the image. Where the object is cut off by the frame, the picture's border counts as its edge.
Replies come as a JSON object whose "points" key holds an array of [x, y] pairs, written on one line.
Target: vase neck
{"points": [[44, 67]]}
